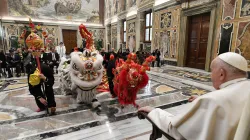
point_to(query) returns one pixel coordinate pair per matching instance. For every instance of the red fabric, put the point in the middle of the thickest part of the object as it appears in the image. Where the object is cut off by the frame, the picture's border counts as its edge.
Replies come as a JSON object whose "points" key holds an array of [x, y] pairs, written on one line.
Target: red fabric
{"points": [[87, 35], [130, 77]]}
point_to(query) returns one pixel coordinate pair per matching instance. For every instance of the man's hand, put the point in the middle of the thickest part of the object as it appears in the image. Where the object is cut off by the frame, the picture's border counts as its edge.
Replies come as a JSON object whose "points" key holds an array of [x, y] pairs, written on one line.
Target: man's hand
{"points": [[42, 77], [43, 101], [146, 109], [192, 98]]}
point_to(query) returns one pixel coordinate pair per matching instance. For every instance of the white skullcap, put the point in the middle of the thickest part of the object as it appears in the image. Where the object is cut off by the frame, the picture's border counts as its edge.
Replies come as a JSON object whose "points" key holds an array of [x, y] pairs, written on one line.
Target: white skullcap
{"points": [[235, 60]]}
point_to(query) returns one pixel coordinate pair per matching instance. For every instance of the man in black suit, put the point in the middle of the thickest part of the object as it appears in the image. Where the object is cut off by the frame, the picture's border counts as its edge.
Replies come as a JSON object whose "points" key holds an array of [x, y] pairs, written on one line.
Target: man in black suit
{"points": [[46, 99], [2, 63], [53, 59], [13, 60], [110, 67]]}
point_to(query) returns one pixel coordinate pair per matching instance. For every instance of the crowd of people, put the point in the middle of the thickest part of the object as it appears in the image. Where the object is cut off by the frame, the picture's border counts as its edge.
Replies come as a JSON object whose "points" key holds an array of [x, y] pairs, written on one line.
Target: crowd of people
{"points": [[19, 61]]}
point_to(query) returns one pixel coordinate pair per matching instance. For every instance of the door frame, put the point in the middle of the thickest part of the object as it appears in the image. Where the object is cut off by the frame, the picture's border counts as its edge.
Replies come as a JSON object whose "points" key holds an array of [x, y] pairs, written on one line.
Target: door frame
{"points": [[213, 8], [61, 28]]}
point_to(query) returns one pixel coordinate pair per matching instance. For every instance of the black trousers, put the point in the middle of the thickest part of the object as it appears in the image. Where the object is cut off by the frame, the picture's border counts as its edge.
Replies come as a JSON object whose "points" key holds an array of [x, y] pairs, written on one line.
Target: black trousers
{"points": [[54, 63], [158, 63], [22, 67], [153, 63], [14, 65], [49, 92], [111, 86]]}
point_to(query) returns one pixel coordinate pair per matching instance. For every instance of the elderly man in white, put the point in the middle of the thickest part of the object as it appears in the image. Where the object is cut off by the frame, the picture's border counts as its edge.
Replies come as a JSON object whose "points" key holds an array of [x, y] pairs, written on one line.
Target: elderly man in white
{"points": [[216, 115], [61, 50]]}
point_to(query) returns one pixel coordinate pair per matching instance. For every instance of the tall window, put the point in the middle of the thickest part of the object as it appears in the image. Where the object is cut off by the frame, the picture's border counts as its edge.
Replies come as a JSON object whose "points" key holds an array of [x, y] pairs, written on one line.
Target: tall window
{"points": [[124, 32], [148, 27]]}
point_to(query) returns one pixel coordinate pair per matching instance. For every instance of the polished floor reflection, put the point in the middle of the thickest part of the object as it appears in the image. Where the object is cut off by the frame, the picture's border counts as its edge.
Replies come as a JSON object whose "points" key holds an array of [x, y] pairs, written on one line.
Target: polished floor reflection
{"points": [[169, 88]]}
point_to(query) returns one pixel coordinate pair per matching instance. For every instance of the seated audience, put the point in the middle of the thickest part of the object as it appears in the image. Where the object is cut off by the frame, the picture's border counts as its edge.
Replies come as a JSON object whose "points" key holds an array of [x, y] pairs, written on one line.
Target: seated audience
{"points": [[13, 61]]}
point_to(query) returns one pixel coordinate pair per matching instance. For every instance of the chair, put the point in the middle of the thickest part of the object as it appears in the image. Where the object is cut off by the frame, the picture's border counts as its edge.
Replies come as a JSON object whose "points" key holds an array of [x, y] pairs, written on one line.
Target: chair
{"points": [[156, 132]]}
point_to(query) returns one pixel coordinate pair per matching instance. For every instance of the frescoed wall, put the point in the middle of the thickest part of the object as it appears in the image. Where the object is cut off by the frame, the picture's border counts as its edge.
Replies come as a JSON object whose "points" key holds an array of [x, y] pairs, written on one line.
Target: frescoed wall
{"points": [[72, 10], [234, 28], [166, 32], [12, 33]]}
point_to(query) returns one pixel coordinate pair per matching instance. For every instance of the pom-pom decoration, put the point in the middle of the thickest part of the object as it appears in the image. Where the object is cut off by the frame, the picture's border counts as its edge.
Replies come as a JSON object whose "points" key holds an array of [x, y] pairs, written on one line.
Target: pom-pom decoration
{"points": [[112, 57], [130, 77], [35, 43]]}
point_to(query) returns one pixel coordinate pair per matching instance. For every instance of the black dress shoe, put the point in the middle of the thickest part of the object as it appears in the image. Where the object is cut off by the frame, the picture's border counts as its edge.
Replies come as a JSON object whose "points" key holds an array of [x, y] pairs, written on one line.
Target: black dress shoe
{"points": [[10, 76]]}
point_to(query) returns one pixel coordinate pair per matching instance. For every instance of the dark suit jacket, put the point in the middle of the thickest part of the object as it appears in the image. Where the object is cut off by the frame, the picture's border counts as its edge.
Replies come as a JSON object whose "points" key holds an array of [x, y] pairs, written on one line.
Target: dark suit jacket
{"points": [[13, 60], [49, 57], [110, 67], [3, 59]]}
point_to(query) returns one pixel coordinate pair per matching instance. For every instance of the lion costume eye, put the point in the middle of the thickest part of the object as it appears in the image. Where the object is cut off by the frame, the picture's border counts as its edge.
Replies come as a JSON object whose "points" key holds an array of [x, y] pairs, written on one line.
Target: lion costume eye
{"points": [[75, 67], [93, 54]]}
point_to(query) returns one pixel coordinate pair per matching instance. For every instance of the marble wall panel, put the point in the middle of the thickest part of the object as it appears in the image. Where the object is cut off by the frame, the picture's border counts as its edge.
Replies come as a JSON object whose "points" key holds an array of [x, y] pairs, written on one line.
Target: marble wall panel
{"points": [[131, 35], [243, 40], [225, 38], [229, 7], [245, 8], [166, 32], [13, 31]]}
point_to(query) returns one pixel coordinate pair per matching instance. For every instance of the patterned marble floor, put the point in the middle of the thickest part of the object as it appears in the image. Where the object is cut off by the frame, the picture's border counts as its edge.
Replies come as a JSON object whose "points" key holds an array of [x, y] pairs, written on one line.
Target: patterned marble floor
{"points": [[169, 88]]}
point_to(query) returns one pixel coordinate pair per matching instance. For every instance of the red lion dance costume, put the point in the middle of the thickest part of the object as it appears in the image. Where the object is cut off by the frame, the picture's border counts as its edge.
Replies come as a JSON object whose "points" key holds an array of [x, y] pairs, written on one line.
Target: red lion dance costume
{"points": [[130, 77]]}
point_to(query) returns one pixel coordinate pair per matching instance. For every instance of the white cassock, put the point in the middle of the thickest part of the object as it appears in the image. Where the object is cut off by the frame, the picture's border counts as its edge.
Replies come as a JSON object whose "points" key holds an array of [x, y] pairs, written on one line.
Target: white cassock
{"points": [[61, 50], [214, 116]]}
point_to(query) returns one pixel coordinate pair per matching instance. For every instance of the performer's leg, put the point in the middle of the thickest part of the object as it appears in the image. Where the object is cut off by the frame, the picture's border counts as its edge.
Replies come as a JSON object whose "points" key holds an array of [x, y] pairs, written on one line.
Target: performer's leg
{"points": [[50, 96], [50, 99], [40, 105]]}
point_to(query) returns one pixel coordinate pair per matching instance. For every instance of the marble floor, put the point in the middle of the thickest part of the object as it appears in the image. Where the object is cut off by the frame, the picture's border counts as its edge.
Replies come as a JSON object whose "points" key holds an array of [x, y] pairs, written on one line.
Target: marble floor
{"points": [[169, 88]]}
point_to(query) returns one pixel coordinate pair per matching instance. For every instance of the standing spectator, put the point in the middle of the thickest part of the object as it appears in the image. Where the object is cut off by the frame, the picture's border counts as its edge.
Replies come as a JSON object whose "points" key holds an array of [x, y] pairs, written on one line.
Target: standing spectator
{"points": [[103, 53], [53, 59], [158, 59], [2, 63], [44, 57], [27, 60], [20, 53], [61, 50], [110, 67], [153, 53], [13, 60]]}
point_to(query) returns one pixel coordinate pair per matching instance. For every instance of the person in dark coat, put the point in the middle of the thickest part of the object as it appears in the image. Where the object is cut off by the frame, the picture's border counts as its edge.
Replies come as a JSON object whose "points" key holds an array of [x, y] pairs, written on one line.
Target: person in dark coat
{"points": [[13, 60], [103, 53], [153, 53], [110, 67], [53, 59], [46, 81], [2, 63], [158, 59]]}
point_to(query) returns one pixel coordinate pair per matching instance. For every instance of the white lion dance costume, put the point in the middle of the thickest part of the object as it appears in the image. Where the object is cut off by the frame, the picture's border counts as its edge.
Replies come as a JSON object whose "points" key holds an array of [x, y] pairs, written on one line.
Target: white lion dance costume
{"points": [[85, 71]]}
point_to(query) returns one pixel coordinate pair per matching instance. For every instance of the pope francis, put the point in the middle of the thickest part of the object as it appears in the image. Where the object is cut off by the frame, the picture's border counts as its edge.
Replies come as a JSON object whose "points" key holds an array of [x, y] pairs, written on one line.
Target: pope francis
{"points": [[219, 115]]}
